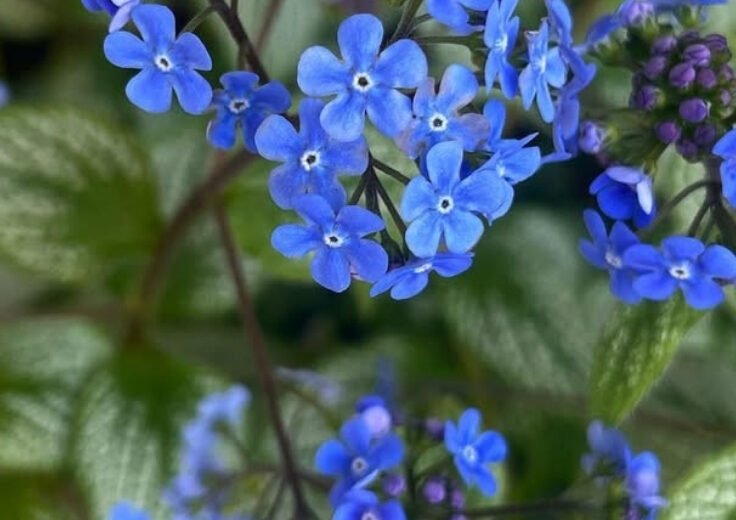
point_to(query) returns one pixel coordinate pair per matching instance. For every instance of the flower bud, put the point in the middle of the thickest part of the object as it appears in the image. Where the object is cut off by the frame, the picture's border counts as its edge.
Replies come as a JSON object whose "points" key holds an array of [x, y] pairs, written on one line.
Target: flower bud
{"points": [[668, 132], [689, 37], [664, 45], [707, 79], [697, 54], [636, 13], [687, 148], [705, 135], [434, 491], [394, 485], [726, 74], [682, 75], [435, 429], [694, 110], [717, 43], [457, 499], [655, 67], [646, 98], [725, 97], [591, 138]]}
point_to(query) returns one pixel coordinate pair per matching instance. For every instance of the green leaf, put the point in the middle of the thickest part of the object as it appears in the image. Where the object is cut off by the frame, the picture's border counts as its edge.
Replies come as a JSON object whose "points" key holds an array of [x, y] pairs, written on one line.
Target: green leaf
{"points": [[127, 428], [40, 496], [634, 352], [79, 200], [708, 492], [42, 365]]}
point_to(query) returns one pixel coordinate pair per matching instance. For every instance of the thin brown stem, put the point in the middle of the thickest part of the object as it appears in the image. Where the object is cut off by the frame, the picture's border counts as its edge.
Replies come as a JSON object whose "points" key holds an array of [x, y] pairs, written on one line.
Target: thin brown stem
{"points": [[265, 31], [247, 54], [672, 204], [264, 369], [391, 172], [389, 204]]}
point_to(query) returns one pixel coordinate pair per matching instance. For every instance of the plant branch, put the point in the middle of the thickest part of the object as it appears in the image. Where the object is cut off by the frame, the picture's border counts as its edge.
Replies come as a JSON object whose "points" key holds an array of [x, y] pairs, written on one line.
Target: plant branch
{"points": [[264, 368], [406, 21], [673, 203], [198, 19], [391, 172], [271, 15], [389, 204], [247, 54]]}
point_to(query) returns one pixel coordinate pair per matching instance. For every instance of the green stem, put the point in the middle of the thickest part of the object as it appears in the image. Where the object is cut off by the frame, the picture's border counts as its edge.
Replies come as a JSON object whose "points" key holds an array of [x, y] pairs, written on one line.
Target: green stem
{"points": [[672, 204], [247, 54], [405, 22], [198, 19], [389, 204], [391, 172]]}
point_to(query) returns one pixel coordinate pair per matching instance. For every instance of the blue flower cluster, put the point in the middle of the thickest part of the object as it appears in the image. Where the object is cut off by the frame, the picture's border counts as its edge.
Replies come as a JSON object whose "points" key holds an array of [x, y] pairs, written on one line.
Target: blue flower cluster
{"points": [[365, 462], [682, 96], [611, 459]]}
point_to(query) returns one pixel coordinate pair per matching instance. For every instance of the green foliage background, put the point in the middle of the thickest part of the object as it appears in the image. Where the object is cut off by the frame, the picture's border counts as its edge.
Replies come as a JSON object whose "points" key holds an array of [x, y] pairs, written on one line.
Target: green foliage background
{"points": [[530, 335]]}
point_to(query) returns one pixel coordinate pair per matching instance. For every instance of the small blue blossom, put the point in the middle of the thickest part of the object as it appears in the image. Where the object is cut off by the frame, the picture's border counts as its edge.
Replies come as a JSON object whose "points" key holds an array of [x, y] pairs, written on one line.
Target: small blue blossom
{"points": [[364, 505], [726, 149], [376, 415], [126, 511], [609, 451], [243, 105], [447, 206], [606, 252], [167, 63], [453, 14], [367, 80], [312, 160], [643, 484], [625, 193], [545, 69], [684, 263], [119, 10], [357, 458], [336, 239], [411, 279], [502, 30], [474, 451], [437, 116], [560, 21]]}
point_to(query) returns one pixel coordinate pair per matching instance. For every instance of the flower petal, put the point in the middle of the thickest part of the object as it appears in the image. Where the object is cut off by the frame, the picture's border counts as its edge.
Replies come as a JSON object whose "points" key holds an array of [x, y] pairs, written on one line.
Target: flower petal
{"points": [[330, 269], [150, 90], [703, 293], [457, 89], [358, 221], [423, 235], [388, 452], [347, 158], [491, 447], [484, 192], [221, 133], [239, 83], [356, 435], [123, 49], [448, 265], [332, 458], [286, 182], [368, 259], [320, 73], [389, 110], [410, 286], [419, 196], [314, 209], [344, 117], [469, 426], [462, 231], [359, 38], [191, 52], [192, 90], [295, 241], [683, 248], [401, 65], [156, 24], [277, 140], [443, 163], [622, 286], [719, 262], [657, 286], [644, 256]]}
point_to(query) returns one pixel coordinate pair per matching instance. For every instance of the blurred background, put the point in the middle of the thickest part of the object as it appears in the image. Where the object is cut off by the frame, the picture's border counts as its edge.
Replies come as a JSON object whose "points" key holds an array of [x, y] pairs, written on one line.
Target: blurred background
{"points": [[87, 184]]}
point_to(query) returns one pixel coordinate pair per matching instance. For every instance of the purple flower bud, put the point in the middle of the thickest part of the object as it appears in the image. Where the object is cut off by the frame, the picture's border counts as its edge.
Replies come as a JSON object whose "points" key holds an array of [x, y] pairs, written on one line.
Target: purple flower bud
{"points": [[664, 44], [646, 98], [434, 491], [726, 74], [725, 97], [459, 517], [687, 148], [717, 43], [694, 110], [457, 499], [682, 75], [689, 37], [637, 12], [655, 67], [435, 429], [707, 79], [394, 485], [705, 135], [668, 132], [697, 54], [591, 138]]}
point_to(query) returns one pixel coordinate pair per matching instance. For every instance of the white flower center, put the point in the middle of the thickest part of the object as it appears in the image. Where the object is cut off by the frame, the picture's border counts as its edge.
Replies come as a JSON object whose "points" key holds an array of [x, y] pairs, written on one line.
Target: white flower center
{"points": [[681, 271], [358, 466], [445, 205], [501, 169], [163, 62], [423, 268], [310, 159], [333, 240], [540, 65], [438, 123], [614, 260], [370, 515], [362, 82], [470, 454], [238, 105], [501, 44]]}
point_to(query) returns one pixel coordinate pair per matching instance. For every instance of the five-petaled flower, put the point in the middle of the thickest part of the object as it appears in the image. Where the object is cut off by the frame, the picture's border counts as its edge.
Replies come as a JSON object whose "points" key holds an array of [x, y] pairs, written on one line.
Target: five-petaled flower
{"points": [[243, 105], [454, 15], [684, 263], [447, 206], [473, 451], [502, 30], [167, 63], [609, 451], [545, 69], [726, 149], [364, 505], [367, 80], [409, 280], [437, 117], [606, 252], [119, 10], [311, 159], [357, 458], [625, 193], [337, 241]]}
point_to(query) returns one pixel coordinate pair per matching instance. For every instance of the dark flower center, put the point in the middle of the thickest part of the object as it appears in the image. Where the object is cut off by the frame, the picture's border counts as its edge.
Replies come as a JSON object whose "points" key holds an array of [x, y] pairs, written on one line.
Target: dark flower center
{"points": [[163, 63]]}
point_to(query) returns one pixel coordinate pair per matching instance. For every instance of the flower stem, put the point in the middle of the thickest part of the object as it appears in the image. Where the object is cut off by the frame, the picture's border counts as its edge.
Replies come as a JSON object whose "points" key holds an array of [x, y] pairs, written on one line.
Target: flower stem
{"points": [[247, 54], [391, 172], [406, 21], [271, 14], [672, 204], [198, 19]]}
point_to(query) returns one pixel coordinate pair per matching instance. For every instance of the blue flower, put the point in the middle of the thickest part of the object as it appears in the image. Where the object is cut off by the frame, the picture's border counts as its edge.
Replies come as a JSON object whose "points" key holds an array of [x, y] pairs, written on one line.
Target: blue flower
{"points": [[358, 458], [375, 413], [561, 21], [453, 14], [126, 511], [643, 483], [606, 252], [609, 452], [311, 159], [409, 280], [683, 263], [495, 112], [119, 10], [243, 105], [362, 505], [446, 206], [474, 451], [502, 30], [437, 117], [545, 69], [625, 193], [167, 63], [337, 241], [366, 80], [726, 149]]}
